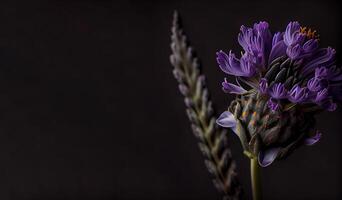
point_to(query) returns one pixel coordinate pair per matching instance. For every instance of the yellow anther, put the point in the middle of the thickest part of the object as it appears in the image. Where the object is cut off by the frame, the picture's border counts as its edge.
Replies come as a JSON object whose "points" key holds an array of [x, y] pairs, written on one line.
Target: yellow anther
{"points": [[311, 34]]}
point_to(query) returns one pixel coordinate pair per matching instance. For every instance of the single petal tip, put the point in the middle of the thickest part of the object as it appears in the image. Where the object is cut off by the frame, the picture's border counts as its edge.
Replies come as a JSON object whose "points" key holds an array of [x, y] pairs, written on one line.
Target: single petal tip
{"points": [[313, 140], [267, 157], [226, 119]]}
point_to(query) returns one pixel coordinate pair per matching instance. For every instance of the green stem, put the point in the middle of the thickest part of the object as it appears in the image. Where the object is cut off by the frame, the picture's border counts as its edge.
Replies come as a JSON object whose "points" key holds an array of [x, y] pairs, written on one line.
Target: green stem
{"points": [[256, 179]]}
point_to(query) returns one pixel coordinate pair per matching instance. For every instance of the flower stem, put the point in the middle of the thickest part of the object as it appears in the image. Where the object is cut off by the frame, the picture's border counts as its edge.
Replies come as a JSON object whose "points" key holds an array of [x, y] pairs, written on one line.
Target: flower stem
{"points": [[256, 179]]}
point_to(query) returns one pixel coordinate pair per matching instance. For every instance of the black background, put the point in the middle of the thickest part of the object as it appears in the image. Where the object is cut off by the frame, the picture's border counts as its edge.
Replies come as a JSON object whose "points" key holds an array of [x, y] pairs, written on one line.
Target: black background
{"points": [[89, 108]]}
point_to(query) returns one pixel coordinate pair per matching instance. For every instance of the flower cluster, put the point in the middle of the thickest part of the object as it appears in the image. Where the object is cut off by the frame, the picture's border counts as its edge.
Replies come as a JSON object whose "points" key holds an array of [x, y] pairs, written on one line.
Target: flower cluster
{"points": [[319, 80], [288, 70]]}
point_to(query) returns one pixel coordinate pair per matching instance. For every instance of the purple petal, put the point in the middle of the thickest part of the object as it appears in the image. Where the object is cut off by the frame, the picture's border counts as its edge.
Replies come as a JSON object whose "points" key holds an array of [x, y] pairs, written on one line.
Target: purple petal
{"points": [[268, 156], [277, 51], [324, 57], [273, 104], [314, 139], [244, 37], [277, 38], [227, 120], [278, 91], [321, 95], [292, 34], [310, 46], [297, 94], [316, 84], [263, 86], [232, 88], [294, 51], [321, 72], [247, 65], [231, 65]]}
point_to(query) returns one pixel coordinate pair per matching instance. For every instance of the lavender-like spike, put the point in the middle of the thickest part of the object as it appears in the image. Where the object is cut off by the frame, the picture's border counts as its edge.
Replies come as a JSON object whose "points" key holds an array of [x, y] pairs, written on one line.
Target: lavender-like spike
{"points": [[212, 139]]}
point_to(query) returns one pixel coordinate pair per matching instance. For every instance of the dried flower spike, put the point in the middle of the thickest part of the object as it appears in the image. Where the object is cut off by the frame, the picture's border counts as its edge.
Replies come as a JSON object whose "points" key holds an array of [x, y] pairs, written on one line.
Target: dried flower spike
{"points": [[212, 139]]}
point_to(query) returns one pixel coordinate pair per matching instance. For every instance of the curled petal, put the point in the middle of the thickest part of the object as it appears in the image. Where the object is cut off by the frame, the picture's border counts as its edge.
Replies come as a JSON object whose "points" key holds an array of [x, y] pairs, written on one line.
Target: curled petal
{"points": [[227, 120], [278, 91], [294, 51], [273, 104], [232, 88], [297, 94], [292, 34], [277, 51], [277, 38], [323, 57], [263, 86], [321, 95], [310, 46], [231, 65], [227, 63], [244, 37], [316, 84], [321, 72], [314, 139], [247, 65], [267, 157]]}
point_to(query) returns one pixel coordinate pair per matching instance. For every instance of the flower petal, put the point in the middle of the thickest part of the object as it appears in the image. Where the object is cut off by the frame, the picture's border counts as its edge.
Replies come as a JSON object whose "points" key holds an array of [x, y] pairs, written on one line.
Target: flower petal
{"points": [[232, 88], [268, 156], [323, 57], [277, 51], [314, 139], [226, 119]]}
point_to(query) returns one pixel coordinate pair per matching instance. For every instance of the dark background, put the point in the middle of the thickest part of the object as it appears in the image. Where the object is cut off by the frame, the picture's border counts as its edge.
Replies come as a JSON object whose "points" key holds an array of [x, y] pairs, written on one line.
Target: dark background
{"points": [[89, 108]]}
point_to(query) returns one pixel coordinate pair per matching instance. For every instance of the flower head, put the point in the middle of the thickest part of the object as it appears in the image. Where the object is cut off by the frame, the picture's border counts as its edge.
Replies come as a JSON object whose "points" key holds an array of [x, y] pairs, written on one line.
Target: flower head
{"points": [[291, 77]]}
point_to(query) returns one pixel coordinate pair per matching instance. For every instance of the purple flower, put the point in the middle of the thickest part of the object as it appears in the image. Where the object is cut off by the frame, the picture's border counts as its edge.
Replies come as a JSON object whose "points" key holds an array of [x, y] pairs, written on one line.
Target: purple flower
{"points": [[297, 94], [273, 104], [278, 50], [231, 65], [267, 157], [321, 72], [232, 88], [288, 72], [256, 41], [227, 120], [321, 95], [278, 91], [292, 34], [310, 46], [278, 37], [263, 86], [294, 52], [323, 57], [316, 84]]}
